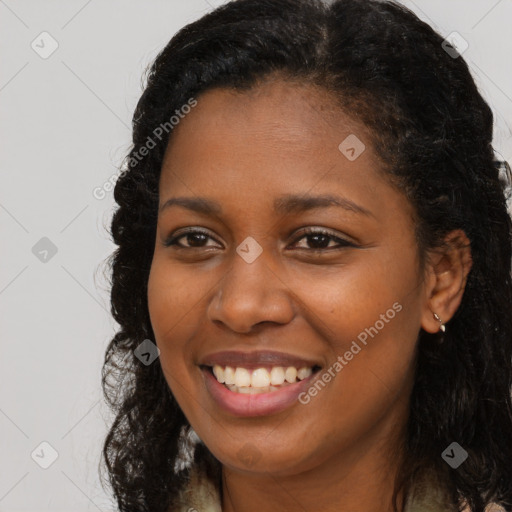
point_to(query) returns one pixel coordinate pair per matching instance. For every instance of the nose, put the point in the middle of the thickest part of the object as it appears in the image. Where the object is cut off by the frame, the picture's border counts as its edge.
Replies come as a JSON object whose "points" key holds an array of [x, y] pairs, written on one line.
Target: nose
{"points": [[251, 294]]}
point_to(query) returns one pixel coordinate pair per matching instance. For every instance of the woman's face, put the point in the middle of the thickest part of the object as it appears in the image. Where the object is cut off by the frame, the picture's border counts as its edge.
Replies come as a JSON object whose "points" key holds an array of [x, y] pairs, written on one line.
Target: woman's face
{"points": [[254, 290]]}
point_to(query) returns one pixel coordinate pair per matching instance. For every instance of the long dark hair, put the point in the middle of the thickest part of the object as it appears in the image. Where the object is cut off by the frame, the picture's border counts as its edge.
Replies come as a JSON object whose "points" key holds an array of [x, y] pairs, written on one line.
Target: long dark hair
{"points": [[433, 133]]}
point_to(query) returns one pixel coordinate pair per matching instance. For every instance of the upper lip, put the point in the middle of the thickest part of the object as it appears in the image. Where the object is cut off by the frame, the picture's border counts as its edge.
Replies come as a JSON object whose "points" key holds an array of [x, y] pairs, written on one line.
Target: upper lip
{"points": [[256, 359]]}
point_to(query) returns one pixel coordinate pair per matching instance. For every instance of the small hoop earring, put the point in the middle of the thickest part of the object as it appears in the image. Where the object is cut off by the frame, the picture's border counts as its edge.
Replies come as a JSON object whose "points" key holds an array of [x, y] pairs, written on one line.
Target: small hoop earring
{"points": [[442, 326]]}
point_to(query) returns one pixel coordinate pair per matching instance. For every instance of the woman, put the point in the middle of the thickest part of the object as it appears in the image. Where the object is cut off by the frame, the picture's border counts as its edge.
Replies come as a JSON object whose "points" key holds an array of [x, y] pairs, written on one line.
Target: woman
{"points": [[312, 229]]}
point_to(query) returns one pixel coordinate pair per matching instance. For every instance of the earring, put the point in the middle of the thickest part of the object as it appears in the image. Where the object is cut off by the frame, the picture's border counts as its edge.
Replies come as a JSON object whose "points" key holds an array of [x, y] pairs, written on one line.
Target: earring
{"points": [[442, 326]]}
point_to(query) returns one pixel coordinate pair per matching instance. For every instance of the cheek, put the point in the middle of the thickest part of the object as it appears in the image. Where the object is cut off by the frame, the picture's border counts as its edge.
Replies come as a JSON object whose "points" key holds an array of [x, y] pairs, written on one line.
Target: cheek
{"points": [[370, 317], [169, 297], [168, 305], [173, 309], [174, 300], [345, 301]]}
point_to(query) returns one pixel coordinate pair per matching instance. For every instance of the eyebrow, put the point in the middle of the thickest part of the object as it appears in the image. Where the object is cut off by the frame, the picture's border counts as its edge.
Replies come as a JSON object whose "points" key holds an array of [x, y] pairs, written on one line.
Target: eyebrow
{"points": [[286, 204]]}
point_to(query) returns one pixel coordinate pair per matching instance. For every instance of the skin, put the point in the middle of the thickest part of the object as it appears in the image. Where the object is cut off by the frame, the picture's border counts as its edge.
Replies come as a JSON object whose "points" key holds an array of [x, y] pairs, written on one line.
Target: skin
{"points": [[244, 150]]}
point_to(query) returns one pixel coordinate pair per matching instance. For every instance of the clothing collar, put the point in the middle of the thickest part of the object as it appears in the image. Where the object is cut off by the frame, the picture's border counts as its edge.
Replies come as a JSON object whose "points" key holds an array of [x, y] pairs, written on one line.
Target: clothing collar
{"points": [[201, 495]]}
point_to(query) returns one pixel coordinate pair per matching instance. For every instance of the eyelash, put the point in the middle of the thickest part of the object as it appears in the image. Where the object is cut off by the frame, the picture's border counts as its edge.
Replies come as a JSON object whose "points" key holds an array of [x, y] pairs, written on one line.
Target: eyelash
{"points": [[172, 240]]}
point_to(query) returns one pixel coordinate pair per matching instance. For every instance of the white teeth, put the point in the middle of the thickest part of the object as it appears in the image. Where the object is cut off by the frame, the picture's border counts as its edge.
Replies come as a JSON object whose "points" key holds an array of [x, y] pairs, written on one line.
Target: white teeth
{"points": [[277, 375], [251, 390], [290, 374], [304, 373], [260, 378], [246, 389], [242, 377], [229, 375], [242, 380], [219, 373]]}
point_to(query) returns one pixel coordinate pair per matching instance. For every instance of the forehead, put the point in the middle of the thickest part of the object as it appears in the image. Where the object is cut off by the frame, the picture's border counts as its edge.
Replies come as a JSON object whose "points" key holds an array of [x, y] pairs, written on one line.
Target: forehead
{"points": [[276, 124], [292, 108], [247, 149]]}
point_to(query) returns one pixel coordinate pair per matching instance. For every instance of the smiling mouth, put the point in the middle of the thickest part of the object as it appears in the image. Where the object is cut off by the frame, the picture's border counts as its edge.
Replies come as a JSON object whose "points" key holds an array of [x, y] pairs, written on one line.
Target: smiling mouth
{"points": [[260, 380]]}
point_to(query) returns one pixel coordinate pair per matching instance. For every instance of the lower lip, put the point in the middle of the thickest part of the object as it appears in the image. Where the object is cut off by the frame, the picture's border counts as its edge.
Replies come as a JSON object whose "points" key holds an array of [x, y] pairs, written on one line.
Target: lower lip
{"points": [[258, 404]]}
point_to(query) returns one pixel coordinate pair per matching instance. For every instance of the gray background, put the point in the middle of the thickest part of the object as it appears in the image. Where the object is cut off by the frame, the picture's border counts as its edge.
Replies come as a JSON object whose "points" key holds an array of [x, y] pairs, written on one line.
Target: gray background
{"points": [[64, 129]]}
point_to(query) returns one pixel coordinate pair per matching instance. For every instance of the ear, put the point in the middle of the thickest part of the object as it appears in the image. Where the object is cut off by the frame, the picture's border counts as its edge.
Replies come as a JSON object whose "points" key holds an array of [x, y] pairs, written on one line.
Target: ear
{"points": [[446, 275]]}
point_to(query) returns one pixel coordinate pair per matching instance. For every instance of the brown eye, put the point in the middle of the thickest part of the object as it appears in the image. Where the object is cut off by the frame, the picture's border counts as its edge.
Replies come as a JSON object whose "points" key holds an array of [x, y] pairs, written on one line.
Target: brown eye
{"points": [[319, 240], [196, 239]]}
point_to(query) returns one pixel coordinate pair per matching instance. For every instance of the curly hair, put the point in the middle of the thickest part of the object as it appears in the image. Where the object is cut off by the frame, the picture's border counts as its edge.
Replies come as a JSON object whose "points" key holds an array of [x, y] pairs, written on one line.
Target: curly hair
{"points": [[433, 133]]}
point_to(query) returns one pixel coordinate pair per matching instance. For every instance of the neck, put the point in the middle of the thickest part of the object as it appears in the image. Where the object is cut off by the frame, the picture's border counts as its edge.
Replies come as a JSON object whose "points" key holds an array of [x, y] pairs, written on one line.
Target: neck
{"points": [[356, 479]]}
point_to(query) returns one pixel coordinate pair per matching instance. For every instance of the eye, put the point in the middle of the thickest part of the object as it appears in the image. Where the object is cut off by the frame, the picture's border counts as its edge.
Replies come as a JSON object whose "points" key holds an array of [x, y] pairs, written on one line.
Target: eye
{"points": [[195, 238], [321, 238]]}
